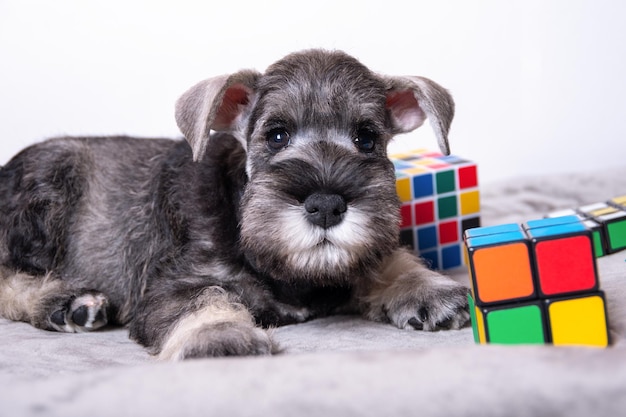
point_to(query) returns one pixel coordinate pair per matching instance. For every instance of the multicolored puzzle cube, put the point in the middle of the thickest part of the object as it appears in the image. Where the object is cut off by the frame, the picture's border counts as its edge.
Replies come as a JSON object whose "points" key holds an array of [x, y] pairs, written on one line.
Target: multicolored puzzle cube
{"points": [[440, 200], [536, 283], [607, 221]]}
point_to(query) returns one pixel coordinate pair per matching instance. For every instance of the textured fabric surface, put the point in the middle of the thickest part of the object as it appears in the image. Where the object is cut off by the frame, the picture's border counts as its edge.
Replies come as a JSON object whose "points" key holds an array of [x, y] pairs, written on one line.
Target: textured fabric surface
{"points": [[341, 366]]}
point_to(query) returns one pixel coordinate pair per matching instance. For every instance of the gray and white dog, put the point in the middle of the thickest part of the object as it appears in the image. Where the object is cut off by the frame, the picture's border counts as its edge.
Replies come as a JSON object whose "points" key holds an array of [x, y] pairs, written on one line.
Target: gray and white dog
{"points": [[280, 207]]}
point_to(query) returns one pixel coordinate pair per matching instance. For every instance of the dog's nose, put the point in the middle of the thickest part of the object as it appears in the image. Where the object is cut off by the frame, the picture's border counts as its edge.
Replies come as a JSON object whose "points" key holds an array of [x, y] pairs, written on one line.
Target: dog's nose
{"points": [[325, 210]]}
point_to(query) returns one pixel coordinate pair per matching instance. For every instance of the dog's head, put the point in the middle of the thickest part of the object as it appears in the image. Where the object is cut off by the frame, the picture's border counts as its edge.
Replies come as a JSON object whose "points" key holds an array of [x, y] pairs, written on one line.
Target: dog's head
{"points": [[320, 204]]}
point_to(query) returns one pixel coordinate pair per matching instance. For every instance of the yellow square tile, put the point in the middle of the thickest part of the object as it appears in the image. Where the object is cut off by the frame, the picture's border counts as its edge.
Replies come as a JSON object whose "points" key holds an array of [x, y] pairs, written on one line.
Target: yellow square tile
{"points": [[579, 321], [619, 200], [480, 326], [403, 188], [426, 161], [603, 211], [470, 202]]}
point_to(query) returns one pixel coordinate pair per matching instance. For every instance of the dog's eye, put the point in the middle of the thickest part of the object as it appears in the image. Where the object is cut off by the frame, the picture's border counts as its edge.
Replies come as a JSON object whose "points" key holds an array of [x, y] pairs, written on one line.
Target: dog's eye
{"points": [[365, 140], [277, 139]]}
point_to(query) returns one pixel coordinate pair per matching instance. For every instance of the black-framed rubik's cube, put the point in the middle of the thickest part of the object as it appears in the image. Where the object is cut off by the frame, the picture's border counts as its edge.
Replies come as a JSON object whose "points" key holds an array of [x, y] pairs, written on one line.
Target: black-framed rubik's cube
{"points": [[606, 220], [440, 200], [536, 283]]}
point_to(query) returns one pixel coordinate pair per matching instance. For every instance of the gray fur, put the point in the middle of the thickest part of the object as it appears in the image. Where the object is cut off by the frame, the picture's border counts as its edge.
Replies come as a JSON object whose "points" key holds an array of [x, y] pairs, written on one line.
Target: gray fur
{"points": [[280, 207]]}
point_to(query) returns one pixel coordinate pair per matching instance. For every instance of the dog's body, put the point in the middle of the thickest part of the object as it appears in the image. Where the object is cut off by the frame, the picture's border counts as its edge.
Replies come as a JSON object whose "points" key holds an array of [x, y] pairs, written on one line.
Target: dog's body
{"points": [[287, 212]]}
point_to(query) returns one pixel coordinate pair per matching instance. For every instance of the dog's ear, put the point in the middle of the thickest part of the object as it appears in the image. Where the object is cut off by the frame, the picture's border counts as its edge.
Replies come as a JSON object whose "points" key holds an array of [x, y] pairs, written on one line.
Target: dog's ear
{"points": [[215, 104], [410, 100]]}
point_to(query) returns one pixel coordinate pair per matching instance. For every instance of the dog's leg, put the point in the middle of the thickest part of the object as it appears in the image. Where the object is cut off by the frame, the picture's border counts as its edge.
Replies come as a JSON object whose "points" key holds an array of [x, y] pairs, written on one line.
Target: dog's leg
{"points": [[220, 328], [48, 303], [410, 296], [198, 321]]}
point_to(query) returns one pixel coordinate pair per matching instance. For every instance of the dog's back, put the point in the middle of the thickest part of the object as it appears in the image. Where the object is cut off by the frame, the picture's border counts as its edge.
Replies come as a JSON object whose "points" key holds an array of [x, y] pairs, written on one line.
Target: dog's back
{"points": [[89, 209]]}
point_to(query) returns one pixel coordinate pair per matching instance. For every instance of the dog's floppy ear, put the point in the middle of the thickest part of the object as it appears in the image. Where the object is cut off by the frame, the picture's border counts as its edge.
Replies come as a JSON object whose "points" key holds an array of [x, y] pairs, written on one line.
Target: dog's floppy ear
{"points": [[410, 100], [215, 104]]}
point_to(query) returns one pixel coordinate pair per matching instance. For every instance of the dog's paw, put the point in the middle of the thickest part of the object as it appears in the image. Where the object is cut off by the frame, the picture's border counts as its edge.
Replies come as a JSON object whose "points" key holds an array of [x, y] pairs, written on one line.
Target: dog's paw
{"points": [[280, 314], [429, 305], [84, 312], [440, 308], [220, 339]]}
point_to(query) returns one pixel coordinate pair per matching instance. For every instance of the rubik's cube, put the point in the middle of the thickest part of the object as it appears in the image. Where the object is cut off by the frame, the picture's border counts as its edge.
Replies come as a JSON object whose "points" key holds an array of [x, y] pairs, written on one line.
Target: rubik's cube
{"points": [[440, 200], [607, 222], [536, 283]]}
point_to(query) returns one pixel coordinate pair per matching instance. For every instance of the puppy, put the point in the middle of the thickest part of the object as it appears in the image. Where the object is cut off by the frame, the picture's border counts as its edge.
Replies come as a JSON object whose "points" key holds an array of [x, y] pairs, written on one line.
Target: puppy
{"points": [[280, 207]]}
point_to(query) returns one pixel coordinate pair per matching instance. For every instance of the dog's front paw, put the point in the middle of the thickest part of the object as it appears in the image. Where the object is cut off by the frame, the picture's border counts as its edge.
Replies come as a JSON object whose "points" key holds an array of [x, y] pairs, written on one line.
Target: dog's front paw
{"points": [[422, 304], [280, 314], [432, 309]]}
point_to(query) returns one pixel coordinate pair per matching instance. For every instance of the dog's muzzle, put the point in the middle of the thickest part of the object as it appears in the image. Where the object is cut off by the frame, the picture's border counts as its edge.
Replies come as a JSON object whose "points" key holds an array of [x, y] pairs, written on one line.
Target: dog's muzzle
{"points": [[320, 213]]}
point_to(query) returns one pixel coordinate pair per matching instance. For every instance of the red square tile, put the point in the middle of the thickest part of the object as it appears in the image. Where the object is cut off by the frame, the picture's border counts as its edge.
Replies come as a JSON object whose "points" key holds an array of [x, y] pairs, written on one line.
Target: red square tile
{"points": [[468, 177], [448, 232], [424, 212], [405, 216], [566, 265]]}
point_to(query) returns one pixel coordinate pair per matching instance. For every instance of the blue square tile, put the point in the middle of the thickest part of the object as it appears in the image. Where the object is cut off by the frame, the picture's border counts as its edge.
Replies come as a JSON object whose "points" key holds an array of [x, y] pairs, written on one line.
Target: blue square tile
{"points": [[451, 256], [423, 185], [426, 237]]}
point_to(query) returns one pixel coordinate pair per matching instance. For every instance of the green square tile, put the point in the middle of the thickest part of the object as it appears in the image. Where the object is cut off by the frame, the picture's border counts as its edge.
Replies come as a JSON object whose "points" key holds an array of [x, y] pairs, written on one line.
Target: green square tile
{"points": [[617, 234], [517, 325], [447, 207], [445, 182], [472, 311], [597, 243]]}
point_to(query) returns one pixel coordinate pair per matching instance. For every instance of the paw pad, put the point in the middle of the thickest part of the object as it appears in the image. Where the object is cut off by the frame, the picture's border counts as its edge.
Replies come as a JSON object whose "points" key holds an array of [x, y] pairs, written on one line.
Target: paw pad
{"points": [[81, 313]]}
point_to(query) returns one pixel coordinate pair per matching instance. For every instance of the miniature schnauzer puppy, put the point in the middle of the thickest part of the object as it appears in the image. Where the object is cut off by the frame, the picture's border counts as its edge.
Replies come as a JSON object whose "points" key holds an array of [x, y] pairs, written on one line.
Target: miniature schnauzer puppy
{"points": [[279, 207]]}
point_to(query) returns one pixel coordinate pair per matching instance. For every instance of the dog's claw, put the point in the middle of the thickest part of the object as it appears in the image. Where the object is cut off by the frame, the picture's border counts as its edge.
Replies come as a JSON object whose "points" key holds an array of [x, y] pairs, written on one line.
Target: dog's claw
{"points": [[416, 324], [423, 314]]}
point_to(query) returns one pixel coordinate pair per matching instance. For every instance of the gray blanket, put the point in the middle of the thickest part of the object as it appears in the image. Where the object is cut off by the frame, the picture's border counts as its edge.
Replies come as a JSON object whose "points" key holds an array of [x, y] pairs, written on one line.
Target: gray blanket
{"points": [[341, 366]]}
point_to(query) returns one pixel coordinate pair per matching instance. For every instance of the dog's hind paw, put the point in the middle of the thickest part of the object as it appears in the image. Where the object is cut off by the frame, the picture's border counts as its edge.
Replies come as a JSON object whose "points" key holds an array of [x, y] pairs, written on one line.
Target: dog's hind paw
{"points": [[220, 339], [78, 313]]}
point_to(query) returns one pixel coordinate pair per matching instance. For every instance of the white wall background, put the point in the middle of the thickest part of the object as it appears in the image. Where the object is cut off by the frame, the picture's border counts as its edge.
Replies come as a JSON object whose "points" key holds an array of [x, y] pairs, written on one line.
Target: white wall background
{"points": [[539, 85]]}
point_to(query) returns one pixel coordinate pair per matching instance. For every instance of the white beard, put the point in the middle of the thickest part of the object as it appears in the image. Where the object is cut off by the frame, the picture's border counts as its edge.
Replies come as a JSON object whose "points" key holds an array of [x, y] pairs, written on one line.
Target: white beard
{"points": [[315, 249]]}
